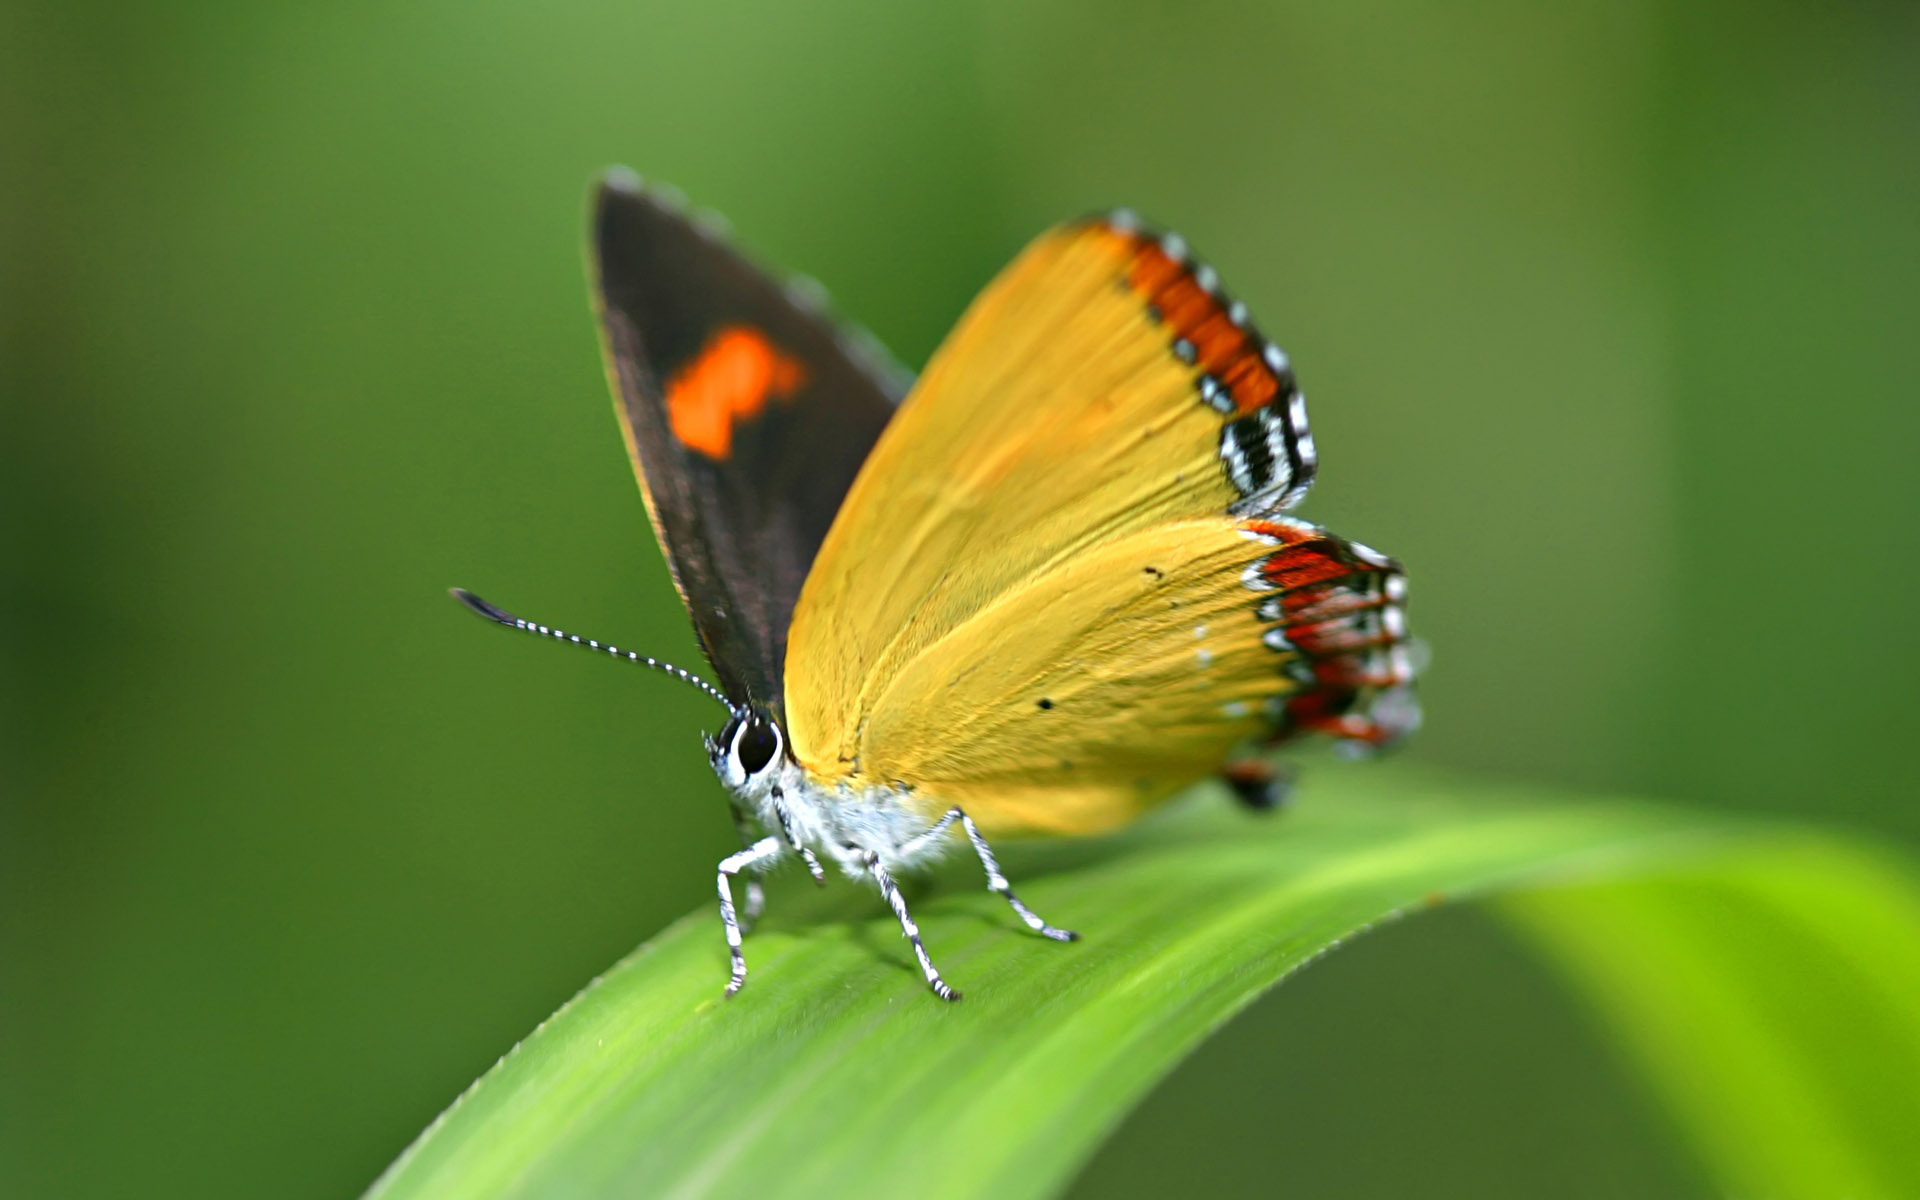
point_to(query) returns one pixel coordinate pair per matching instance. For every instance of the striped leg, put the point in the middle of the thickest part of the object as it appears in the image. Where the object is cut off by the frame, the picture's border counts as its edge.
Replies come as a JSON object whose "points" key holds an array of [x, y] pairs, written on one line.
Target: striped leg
{"points": [[931, 833], [752, 858], [899, 905], [786, 831], [756, 894], [996, 882]]}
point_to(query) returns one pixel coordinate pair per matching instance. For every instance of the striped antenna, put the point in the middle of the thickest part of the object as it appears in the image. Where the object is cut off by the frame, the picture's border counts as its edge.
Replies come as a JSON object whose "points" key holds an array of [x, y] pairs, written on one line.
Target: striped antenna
{"points": [[501, 616]]}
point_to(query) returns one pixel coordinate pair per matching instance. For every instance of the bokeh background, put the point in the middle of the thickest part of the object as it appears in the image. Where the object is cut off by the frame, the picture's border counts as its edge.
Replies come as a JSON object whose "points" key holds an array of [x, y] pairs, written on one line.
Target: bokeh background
{"points": [[1607, 311]]}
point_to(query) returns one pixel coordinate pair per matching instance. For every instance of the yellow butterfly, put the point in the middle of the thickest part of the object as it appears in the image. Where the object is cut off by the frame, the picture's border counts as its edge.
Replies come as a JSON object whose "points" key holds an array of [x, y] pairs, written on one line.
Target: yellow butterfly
{"points": [[1052, 587]]}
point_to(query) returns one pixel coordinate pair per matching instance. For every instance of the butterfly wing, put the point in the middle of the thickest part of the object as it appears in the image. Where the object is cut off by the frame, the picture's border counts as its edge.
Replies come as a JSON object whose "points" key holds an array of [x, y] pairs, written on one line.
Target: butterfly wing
{"points": [[1054, 594], [747, 413]]}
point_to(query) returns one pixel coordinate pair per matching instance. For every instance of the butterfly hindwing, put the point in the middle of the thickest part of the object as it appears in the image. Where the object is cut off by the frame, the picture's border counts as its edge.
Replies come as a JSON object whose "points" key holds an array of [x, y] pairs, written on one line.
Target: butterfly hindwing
{"points": [[1117, 677], [1046, 598], [747, 413]]}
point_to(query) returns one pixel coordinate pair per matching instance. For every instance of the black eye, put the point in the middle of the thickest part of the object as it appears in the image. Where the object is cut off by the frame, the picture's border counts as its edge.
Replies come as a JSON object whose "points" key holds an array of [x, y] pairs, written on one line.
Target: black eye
{"points": [[758, 742]]}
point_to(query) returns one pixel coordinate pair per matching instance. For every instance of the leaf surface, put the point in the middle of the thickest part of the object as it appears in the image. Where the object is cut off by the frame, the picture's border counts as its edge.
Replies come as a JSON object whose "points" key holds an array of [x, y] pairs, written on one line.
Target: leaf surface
{"points": [[836, 1072]]}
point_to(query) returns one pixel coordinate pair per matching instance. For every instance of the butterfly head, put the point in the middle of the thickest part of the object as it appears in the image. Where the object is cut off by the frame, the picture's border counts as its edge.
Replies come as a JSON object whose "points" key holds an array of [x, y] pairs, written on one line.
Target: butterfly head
{"points": [[749, 751]]}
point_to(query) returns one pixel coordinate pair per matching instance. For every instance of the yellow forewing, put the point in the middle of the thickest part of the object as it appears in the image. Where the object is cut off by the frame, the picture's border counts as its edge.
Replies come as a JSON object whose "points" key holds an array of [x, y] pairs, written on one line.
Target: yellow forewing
{"points": [[1044, 519]]}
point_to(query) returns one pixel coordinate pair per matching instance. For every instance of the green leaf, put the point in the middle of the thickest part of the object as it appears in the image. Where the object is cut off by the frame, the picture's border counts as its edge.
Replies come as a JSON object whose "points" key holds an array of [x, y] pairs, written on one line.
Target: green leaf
{"points": [[836, 1071], [1772, 996]]}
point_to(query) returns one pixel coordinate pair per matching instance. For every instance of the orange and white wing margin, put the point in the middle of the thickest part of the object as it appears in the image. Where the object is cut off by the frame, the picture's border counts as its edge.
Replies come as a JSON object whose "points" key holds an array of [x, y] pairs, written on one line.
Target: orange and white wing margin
{"points": [[1063, 586]]}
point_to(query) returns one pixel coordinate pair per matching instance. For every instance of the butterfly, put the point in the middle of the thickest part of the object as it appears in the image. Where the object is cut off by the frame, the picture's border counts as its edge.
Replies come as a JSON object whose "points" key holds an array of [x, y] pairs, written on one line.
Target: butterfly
{"points": [[1039, 590]]}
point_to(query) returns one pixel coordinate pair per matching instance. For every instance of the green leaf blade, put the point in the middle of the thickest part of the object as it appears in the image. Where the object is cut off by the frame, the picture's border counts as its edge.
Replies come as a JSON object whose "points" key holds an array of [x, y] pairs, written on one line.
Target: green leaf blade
{"points": [[1771, 996], [836, 1069]]}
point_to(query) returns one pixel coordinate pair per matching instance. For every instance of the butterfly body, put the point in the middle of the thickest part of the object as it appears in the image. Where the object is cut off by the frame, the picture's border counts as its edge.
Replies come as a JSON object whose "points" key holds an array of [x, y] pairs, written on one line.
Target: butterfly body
{"points": [[1059, 583], [840, 822]]}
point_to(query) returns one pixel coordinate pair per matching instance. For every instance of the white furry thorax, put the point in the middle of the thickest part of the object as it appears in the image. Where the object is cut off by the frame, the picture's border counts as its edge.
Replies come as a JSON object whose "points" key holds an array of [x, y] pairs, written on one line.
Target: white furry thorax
{"points": [[837, 822]]}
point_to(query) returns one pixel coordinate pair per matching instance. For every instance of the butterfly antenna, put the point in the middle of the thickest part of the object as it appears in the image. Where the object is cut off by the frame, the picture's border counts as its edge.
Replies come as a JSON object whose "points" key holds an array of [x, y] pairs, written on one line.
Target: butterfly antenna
{"points": [[501, 616]]}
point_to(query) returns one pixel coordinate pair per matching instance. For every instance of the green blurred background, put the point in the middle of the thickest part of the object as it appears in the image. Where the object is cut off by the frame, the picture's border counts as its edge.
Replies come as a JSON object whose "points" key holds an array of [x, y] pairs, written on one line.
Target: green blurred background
{"points": [[1607, 312]]}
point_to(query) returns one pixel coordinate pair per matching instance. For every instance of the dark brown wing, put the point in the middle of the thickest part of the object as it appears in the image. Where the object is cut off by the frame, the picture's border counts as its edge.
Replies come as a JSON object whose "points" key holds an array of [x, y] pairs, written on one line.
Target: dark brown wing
{"points": [[747, 412]]}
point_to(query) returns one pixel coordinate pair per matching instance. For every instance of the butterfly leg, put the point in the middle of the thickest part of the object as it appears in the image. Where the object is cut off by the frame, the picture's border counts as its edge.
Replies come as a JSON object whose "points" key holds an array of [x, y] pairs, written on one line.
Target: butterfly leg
{"points": [[756, 894], [997, 883], [752, 858], [898, 903], [786, 831]]}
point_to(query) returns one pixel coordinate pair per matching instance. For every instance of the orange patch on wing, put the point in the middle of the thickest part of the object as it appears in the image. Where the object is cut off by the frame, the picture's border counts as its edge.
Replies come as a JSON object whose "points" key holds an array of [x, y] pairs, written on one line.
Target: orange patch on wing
{"points": [[734, 378], [1228, 352]]}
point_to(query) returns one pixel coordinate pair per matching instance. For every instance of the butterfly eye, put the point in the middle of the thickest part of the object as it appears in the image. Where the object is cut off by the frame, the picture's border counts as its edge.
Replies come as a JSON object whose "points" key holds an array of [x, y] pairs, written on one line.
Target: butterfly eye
{"points": [[756, 743]]}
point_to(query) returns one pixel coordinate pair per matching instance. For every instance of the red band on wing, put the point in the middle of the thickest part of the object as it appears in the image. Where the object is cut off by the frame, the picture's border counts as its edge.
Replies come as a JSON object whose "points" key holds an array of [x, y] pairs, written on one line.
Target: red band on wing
{"points": [[1339, 606], [1224, 349], [1306, 557], [735, 376]]}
